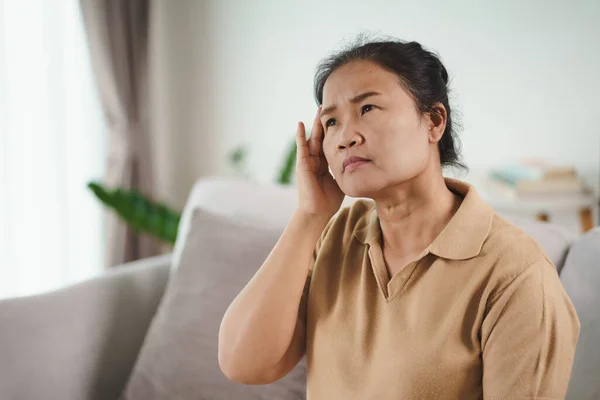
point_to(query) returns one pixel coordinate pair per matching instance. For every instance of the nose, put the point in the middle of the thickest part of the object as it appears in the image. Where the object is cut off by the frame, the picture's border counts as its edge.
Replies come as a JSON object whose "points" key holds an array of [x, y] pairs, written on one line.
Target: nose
{"points": [[349, 138]]}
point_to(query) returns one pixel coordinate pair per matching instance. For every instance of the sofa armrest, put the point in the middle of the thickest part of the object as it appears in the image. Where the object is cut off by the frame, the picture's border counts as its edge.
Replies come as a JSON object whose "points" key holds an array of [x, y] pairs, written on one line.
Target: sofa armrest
{"points": [[79, 342], [581, 280]]}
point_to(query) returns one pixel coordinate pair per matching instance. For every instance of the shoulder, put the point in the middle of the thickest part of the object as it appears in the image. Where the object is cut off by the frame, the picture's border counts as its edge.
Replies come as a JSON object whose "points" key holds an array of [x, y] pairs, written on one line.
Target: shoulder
{"points": [[511, 253], [523, 277], [510, 242], [343, 227]]}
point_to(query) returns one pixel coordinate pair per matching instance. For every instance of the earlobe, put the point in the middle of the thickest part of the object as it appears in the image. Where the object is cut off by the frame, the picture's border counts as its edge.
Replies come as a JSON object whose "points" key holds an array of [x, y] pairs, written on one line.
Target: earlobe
{"points": [[435, 134], [437, 121]]}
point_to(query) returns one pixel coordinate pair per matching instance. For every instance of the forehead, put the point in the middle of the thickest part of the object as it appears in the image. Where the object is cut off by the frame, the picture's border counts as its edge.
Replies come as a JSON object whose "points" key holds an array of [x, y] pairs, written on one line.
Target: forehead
{"points": [[357, 77]]}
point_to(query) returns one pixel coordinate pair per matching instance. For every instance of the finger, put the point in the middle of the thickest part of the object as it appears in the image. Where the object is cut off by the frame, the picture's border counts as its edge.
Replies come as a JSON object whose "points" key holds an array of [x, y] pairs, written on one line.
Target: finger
{"points": [[323, 165], [301, 144], [315, 142]]}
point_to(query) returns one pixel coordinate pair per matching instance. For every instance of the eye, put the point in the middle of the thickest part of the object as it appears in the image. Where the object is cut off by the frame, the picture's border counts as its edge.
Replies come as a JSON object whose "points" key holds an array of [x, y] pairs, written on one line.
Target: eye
{"points": [[330, 122], [366, 108]]}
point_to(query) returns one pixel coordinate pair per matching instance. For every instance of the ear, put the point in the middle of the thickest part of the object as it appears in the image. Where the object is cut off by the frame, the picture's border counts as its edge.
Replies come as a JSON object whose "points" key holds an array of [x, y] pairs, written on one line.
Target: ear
{"points": [[437, 122]]}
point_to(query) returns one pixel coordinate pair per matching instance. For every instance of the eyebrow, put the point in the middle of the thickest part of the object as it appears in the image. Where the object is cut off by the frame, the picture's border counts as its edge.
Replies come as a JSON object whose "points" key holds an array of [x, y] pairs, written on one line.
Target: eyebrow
{"points": [[354, 100]]}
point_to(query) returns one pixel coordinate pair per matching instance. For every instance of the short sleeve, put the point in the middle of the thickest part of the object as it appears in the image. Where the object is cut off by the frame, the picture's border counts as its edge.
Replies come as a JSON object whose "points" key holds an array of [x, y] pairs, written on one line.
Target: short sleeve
{"points": [[319, 244], [528, 337], [304, 299]]}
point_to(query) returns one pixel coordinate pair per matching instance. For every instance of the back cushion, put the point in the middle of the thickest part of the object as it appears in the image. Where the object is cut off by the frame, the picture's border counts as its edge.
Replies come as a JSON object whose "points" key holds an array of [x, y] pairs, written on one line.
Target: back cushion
{"points": [[581, 279], [178, 359], [266, 204]]}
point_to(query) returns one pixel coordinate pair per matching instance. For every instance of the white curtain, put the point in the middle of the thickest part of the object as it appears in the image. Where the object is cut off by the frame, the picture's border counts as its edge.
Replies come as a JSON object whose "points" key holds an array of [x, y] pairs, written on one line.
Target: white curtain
{"points": [[51, 145]]}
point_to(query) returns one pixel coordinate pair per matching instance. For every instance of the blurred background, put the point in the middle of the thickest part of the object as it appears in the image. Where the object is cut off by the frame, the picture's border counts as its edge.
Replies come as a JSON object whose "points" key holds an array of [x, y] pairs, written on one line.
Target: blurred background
{"points": [[111, 111]]}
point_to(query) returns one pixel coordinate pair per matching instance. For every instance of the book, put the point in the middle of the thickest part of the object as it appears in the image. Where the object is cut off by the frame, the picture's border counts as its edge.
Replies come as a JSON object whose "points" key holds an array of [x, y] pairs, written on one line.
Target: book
{"points": [[534, 177], [513, 173], [550, 186], [548, 170]]}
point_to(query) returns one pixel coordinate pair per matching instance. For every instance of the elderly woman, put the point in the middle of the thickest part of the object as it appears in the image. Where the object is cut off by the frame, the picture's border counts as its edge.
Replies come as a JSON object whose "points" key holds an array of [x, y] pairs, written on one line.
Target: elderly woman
{"points": [[423, 292]]}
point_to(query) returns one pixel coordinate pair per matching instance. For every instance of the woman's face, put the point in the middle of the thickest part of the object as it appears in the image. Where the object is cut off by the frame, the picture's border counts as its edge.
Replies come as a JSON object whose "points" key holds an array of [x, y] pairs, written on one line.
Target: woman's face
{"points": [[367, 113]]}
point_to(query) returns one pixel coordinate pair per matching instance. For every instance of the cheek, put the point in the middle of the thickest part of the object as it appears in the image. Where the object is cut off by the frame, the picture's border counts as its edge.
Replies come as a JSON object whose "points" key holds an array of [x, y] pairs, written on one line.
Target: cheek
{"points": [[408, 148], [333, 158], [328, 149], [418, 155]]}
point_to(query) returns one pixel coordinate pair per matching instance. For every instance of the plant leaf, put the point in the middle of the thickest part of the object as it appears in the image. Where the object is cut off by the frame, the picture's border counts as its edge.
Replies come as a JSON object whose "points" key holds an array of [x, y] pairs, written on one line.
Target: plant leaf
{"points": [[139, 212], [289, 166]]}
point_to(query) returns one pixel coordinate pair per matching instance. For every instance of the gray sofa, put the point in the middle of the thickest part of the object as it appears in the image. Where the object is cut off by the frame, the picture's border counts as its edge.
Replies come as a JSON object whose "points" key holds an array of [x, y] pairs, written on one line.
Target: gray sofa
{"points": [[81, 342]]}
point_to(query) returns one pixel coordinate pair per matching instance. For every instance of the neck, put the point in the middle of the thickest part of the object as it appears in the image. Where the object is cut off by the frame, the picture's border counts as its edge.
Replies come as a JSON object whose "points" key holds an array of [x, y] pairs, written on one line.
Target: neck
{"points": [[415, 214]]}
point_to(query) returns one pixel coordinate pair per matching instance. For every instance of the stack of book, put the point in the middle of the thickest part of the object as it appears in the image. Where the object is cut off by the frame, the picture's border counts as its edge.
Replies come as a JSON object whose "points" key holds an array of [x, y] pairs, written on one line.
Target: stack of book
{"points": [[535, 178]]}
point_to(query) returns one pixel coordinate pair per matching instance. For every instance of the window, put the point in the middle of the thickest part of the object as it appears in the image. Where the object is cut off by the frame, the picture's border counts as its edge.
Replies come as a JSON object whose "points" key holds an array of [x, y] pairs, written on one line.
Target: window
{"points": [[51, 144]]}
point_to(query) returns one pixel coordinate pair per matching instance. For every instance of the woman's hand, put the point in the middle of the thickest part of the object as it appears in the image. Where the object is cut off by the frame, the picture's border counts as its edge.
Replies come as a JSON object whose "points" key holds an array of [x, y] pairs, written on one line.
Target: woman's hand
{"points": [[318, 193]]}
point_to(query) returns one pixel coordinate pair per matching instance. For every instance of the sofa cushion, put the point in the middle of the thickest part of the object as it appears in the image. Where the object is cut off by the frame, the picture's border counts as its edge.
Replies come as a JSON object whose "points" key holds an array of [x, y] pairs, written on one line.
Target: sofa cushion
{"points": [[270, 204], [581, 280], [178, 359], [79, 342]]}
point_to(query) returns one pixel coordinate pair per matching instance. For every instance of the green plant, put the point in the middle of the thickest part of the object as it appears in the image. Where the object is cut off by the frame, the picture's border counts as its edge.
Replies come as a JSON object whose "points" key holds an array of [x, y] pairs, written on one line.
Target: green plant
{"points": [[140, 213], [287, 170], [145, 215], [237, 160]]}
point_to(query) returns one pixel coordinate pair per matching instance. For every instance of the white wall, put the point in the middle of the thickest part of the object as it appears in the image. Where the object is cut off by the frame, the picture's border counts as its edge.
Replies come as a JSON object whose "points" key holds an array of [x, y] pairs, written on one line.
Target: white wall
{"points": [[525, 74], [178, 79]]}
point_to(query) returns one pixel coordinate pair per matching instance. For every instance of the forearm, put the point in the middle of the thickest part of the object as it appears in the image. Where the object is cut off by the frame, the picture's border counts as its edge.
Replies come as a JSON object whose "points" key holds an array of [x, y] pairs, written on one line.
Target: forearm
{"points": [[258, 327]]}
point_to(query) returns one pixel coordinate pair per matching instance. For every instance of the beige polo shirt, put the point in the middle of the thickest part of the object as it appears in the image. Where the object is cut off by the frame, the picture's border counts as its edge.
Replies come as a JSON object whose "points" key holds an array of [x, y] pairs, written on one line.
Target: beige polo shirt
{"points": [[481, 314]]}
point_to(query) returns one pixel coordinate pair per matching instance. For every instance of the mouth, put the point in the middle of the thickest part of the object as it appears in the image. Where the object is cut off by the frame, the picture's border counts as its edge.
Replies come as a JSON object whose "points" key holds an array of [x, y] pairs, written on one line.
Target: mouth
{"points": [[354, 162]]}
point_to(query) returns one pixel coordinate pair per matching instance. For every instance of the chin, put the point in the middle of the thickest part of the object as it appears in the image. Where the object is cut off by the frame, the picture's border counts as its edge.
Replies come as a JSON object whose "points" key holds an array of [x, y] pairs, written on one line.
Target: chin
{"points": [[353, 186]]}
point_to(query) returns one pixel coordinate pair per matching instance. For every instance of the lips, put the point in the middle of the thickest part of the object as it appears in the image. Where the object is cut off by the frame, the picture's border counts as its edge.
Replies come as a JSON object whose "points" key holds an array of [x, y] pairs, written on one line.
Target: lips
{"points": [[353, 161]]}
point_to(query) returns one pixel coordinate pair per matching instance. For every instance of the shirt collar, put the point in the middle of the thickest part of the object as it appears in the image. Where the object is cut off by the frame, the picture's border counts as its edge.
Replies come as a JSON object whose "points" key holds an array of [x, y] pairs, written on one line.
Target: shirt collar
{"points": [[464, 235]]}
